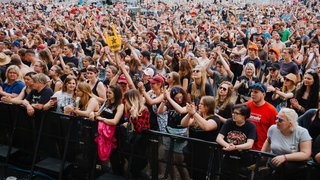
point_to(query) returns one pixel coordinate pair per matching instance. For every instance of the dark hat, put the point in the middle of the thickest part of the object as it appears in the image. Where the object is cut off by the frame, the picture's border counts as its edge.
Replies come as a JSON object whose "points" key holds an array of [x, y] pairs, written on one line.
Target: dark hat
{"points": [[16, 43], [259, 86], [182, 31], [275, 66], [145, 53], [156, 79]]}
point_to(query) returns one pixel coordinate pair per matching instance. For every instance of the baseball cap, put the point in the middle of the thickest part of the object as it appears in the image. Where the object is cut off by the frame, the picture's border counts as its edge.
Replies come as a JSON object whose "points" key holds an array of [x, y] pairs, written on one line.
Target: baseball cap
{"points": [[16, 43], [259, 86], [156, 79], [275, 66], [41, 47], [275, 50], [148, 72], [122, 79]]}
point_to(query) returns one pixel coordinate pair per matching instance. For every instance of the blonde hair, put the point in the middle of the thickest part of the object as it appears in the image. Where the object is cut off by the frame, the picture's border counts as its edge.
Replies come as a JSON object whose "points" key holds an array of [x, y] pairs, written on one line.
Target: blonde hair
{"points": [[135, 103], [203, 82], [251, 65], [16, 69], [291, 116]]}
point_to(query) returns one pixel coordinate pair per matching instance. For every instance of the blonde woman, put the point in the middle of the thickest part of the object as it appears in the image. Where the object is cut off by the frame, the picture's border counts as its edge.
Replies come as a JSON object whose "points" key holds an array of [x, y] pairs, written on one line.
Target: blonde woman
{"points": [[286, 93], [243, 83], [139, 119], [13, 84], [200, 86], [290, 143], [273, 79], [173, 79], [223, 101]]}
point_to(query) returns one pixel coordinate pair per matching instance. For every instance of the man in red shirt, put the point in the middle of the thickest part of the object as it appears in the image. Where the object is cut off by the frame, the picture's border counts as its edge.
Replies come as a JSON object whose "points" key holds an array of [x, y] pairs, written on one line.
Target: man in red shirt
{"points": [[263, 114]]}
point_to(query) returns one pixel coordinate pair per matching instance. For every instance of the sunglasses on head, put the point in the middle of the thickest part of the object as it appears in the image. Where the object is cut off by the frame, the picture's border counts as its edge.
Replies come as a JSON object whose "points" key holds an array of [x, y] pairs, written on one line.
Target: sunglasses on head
{"points": [[175, 90]]}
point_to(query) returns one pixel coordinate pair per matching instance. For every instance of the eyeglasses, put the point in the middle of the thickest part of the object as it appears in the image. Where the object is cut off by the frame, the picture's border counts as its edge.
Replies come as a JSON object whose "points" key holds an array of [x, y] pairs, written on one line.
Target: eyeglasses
{"points": [[279, 119], [236, 113], [196, 70], [222, 88]]}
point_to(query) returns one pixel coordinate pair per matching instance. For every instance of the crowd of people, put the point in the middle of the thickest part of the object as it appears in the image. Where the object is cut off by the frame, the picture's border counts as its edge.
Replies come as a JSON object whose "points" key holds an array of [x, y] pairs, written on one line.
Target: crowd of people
{"points": [[244, 76]]}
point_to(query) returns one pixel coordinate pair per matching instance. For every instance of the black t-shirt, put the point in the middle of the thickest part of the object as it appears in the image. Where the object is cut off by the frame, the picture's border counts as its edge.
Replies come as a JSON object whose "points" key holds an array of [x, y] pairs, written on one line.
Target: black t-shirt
{"points": [[206, 135], [42, 97], [238, 134], [72, 59], [244, 88]]}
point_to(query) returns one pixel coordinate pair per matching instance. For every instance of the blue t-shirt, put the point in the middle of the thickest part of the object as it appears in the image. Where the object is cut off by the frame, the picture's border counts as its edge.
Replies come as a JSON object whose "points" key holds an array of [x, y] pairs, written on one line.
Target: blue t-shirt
{"points": [[16, 87]]}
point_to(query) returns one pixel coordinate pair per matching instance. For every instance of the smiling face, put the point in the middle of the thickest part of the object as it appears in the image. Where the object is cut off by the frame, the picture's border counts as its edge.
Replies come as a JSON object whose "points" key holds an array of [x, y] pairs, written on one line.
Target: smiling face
{"points": [[223, 90], [71, 85], [12, 75], [308, 80], [249, 71]]}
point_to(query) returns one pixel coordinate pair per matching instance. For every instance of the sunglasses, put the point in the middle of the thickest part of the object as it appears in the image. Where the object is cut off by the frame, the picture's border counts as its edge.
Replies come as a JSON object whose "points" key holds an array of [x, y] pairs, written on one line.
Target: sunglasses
{"points": [[280, 120], [224, 89], [196, 70], [286, 79], [177, 54], [272, 69]]}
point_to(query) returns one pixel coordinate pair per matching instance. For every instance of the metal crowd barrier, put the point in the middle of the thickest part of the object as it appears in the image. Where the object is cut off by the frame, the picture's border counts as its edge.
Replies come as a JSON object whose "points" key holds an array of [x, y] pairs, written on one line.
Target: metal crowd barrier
{"points": [[63, 147], [53, 144]]}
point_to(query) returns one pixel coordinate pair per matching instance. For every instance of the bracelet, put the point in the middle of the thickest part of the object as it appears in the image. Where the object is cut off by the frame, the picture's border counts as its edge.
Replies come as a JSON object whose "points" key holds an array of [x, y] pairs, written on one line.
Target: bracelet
{"points": [[142, 90], [285, 159]]}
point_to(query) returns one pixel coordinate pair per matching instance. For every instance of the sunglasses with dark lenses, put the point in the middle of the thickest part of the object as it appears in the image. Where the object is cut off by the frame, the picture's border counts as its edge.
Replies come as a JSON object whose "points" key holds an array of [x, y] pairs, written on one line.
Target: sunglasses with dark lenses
{"points": [[286, 79], [272, 69], [196, 70], [279, 120], [223, 88]]}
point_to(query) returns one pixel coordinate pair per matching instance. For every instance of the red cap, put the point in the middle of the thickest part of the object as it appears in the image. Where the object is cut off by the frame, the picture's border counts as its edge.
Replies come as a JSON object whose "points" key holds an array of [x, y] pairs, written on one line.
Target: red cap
{"points": [[122, 79], [156, 79], [41, 47]]}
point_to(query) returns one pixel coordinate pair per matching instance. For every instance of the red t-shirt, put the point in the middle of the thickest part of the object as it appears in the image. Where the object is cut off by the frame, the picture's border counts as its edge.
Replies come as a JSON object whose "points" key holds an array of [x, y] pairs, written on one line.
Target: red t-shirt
{"points": [[263, 117]]}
